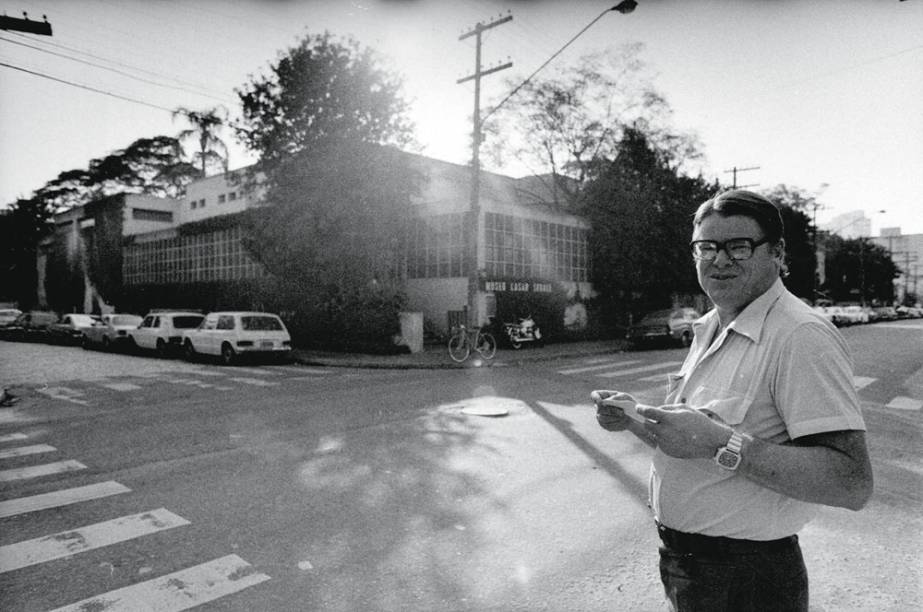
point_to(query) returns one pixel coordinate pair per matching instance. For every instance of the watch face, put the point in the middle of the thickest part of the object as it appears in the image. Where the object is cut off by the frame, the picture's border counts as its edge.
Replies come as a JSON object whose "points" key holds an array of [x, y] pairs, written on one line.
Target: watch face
{"points": [[727, 459]]}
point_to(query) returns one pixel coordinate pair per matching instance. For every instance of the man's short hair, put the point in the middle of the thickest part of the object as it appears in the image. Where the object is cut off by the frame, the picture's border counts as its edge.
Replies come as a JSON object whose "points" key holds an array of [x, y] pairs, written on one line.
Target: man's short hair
{"points": [[746, 204]]}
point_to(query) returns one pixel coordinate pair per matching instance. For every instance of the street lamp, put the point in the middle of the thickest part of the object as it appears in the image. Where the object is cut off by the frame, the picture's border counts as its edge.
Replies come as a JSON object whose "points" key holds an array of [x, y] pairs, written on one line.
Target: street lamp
{"points": [[624, 7]]}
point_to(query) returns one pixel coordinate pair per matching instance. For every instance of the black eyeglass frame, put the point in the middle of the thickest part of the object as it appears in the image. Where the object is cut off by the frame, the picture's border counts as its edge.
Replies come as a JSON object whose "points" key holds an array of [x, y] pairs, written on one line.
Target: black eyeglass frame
{"points": [[723, 246]]}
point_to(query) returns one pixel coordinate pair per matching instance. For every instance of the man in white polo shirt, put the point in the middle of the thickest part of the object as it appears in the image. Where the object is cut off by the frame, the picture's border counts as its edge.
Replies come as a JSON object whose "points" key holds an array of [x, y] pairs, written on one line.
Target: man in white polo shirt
{"points": [[761, 423]]}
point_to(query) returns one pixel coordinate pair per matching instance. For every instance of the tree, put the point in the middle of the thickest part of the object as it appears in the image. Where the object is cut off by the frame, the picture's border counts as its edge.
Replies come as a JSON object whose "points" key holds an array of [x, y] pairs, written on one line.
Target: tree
{"points": [[857, 270], [567, 125], [205, 131], [22, 227], [640, 212], [794, 204], [324, 123]]}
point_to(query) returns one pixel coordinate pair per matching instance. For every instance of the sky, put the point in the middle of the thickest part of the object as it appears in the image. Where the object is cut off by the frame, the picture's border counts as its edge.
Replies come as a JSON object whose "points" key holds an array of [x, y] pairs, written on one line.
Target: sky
{"points": [[825, 96]]}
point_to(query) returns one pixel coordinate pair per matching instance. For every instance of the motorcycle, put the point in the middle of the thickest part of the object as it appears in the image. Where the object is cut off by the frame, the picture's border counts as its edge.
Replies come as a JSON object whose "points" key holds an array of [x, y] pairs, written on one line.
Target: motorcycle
{"points": [[525, 330]]}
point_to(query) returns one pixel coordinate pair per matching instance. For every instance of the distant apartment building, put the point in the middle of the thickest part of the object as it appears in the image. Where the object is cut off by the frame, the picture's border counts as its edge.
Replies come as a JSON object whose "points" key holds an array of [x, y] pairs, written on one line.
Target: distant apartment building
{"points": [[853, 224], [907, 254]]}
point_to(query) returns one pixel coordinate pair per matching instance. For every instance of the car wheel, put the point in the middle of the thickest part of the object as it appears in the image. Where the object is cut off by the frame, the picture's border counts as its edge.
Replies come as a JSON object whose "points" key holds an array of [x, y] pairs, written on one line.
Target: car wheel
{"points": [[161, 348], [107, 344], [227, 354], [189, 351], [686, 339], [85, 343]]}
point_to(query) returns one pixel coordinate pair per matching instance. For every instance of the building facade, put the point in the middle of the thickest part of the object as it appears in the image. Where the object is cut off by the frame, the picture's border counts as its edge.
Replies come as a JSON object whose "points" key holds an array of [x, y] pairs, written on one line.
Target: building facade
{"points": [[907, 254], [527, 243]]}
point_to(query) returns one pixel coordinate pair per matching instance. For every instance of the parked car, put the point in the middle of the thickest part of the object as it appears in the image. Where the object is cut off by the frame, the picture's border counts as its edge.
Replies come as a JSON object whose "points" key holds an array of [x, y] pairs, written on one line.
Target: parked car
{"points": [[674, 325], [883, 313], [110, 331], [70, 329], [230, 335], [856, 314], [909, 312], [29, 326], [827, 312], [8, 315], [163, 331]]}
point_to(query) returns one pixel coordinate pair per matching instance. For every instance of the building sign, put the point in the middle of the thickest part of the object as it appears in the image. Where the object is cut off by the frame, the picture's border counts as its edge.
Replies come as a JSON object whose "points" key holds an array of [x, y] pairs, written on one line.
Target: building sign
{"points": [[522, 286]]}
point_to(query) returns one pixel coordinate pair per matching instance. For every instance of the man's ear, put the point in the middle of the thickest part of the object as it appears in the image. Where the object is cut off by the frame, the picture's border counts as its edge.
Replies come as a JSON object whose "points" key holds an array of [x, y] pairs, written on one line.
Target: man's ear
{"points": [[779, 248]]}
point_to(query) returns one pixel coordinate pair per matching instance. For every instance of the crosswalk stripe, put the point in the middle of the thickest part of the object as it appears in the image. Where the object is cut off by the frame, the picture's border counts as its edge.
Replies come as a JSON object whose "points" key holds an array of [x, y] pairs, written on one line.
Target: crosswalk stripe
{"points": [[36, 471], [862, 382], [68, 543], [630, 371], [301, 370], [177, 591], [22, 451], [63, 497], [122, 386], [13, 437], [256, 382], [597, 367], [905, 403], [64, 393], [257, 371]]}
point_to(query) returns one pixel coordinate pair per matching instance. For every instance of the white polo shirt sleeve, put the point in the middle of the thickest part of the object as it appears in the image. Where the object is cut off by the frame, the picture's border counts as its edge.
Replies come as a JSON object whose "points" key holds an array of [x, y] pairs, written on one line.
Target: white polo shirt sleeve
{"points": [[813, 385]]}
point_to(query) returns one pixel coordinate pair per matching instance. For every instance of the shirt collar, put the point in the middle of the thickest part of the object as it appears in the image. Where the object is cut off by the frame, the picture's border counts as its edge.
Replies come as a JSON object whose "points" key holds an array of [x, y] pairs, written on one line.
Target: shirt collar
{"points": [[749, 322]]}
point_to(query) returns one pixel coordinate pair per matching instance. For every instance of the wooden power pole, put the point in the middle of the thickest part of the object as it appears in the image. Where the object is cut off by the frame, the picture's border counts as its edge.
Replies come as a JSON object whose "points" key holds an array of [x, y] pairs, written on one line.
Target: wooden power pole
{"points": [[475, 212]]}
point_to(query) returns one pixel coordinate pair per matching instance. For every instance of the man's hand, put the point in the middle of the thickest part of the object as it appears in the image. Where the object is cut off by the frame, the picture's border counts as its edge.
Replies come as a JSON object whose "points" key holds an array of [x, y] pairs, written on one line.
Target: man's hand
{"points": [[684, 432], [611, 418]]}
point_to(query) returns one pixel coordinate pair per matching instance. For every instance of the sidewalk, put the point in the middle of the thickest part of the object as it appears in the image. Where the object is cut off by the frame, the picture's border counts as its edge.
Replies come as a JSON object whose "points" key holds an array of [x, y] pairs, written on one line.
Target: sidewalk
{"points": [[434, 356]]}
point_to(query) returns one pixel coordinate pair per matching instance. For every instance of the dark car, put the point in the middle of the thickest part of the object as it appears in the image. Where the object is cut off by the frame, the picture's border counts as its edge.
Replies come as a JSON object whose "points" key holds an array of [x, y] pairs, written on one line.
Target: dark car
{"points": [[664, 327], [30, 326], [71, 327]]}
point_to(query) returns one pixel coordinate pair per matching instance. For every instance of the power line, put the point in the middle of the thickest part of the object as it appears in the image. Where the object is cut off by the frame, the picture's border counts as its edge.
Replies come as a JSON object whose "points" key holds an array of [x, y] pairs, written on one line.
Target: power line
{"points": [[116, 71], [87, 87], [118, 63]]}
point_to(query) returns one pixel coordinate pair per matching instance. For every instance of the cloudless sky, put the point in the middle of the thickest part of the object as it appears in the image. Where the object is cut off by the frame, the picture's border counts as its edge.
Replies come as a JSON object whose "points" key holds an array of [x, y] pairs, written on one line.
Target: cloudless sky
{"points": [[822, 95]]}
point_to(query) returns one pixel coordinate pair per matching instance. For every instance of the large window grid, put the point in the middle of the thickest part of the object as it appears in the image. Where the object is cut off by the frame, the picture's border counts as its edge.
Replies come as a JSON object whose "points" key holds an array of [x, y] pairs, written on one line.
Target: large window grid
{"points": [[436, 247], [528, 248], [213, 256]]}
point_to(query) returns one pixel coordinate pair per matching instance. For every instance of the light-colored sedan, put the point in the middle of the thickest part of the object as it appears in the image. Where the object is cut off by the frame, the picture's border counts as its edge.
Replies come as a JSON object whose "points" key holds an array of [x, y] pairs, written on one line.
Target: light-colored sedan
{"points": [[71, 327], [229, 335], [163, 331], [8, 315], [111, 331]]}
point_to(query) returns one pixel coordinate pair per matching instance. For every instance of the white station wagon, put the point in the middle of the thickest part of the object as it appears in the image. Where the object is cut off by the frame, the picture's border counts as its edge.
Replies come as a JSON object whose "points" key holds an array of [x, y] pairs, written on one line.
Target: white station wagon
{"points": [[229, 335]]}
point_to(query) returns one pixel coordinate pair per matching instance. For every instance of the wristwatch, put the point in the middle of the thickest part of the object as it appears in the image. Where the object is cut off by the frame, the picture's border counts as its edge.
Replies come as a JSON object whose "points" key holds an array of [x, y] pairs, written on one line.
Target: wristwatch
{"points": [[728, 456]]}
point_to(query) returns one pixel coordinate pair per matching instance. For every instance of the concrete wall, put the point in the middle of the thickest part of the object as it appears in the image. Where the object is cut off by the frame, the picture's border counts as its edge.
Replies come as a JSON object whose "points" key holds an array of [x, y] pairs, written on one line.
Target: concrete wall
{"points": [[434, 297]]}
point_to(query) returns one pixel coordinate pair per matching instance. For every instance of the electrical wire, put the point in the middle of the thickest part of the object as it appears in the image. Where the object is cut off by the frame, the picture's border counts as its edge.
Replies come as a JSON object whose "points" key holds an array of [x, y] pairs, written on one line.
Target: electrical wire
{"points": [[86, 87], [114, 70]]}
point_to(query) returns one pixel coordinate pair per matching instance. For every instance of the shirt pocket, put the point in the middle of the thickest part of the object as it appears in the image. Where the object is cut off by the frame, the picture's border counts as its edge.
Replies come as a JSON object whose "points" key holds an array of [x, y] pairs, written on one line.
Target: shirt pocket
{"points": [[728, 405]]}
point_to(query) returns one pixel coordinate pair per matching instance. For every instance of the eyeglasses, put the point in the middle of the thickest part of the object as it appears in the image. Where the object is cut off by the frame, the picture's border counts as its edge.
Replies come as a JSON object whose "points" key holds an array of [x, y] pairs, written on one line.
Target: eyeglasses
{"points": [[737, 249]]}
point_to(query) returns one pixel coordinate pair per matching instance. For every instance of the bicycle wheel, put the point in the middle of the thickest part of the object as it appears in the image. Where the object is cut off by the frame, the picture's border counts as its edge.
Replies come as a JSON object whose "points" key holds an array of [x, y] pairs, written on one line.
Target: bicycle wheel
{"points": [[486, 345], [458, 347]]}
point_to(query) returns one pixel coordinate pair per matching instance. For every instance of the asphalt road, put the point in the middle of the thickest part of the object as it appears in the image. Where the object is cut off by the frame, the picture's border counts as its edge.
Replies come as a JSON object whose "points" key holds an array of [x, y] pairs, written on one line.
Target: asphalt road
{"points": [[134, 479]]}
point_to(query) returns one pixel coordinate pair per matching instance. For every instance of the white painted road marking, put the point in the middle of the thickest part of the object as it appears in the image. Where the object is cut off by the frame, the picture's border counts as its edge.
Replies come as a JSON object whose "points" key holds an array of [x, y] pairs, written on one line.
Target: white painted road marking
{"points": [[68, 543], [628, 372], [905, 403], [177, 591], [609, 364], [122, 386], [258, 371], [36, 471], [302, 370], [862, 382], [22, 451], [13, 437], [64, 393], [63, 497], [255, 382]]}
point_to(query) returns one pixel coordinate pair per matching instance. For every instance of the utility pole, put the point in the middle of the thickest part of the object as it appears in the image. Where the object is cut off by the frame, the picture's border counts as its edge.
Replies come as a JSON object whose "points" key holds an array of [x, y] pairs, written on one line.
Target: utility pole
{"points": [[735, 170], [475, 212], [25, 24]]}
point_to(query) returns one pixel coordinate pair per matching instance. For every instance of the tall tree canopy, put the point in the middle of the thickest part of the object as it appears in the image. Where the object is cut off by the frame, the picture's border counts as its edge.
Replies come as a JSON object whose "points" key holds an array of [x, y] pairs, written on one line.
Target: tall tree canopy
{"points": [[206, 132], [795, 204], [640, 211], [324, 123], [570, 123]]}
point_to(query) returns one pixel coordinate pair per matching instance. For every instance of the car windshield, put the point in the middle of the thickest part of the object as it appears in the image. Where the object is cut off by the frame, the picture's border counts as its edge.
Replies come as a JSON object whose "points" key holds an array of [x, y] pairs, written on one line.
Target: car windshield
{"points": [[187, 322], [657, 315], [261, 323], [84, 320], [126, 320]]}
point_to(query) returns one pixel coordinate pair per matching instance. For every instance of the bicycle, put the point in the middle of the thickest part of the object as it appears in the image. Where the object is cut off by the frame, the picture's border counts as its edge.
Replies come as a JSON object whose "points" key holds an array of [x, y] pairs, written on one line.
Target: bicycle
{"points": [[463, 340]]}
